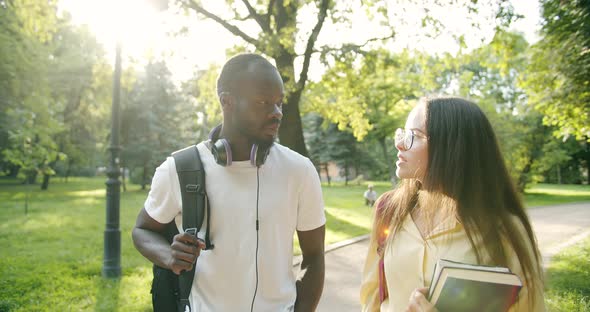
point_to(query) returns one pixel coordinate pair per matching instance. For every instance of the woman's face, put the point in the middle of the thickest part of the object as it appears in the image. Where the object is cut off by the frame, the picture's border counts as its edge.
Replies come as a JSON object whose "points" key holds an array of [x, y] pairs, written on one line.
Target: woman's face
{"points": [[413, 161]]}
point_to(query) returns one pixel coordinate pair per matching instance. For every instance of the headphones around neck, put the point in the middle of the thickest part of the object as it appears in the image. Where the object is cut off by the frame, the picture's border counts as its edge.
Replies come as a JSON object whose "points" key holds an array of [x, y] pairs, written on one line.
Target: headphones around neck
{"points": [[221, 150]]}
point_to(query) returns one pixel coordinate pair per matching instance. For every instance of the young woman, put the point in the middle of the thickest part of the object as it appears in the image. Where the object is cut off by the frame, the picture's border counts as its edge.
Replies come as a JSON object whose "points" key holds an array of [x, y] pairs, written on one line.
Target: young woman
{"points": [[456, 201]]}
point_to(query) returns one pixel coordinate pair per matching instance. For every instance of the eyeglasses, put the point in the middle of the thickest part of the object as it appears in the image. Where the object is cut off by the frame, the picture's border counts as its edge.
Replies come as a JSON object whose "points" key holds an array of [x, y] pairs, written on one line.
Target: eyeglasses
{"points": [[405, 137]]}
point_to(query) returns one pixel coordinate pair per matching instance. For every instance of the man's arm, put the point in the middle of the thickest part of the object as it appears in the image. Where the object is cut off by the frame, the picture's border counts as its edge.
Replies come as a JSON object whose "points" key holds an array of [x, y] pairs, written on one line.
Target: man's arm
{"points": [[311, 277], [178, 256]]}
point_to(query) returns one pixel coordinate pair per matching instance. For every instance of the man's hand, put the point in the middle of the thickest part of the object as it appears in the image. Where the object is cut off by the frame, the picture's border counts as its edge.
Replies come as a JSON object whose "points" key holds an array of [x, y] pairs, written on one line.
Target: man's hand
{"points": [[185, 251], [148, 239], [418, 302]]}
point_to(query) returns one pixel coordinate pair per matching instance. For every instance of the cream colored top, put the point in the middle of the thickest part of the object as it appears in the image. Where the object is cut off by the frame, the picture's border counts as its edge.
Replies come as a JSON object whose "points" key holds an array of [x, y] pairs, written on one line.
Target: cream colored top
{"points": [[409, 264]]}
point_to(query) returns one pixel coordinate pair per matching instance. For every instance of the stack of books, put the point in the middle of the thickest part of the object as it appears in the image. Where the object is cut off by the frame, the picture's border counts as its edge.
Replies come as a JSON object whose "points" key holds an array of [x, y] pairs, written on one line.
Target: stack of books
{"points": [[459, 287]]}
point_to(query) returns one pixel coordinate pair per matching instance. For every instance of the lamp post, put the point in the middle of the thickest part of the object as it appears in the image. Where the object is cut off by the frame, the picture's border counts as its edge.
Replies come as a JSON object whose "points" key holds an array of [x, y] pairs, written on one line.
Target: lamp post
{"points": [[111, 266], [112, 234]]}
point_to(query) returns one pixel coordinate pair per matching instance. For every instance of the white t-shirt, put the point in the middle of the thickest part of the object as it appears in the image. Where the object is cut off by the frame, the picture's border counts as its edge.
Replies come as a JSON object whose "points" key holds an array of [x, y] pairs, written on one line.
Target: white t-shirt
{"points": [[290, 199], [371, 195]]}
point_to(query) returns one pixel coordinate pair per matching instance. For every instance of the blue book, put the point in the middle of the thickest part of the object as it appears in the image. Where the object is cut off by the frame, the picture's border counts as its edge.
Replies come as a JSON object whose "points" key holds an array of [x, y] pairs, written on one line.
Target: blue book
{"points": [[466, 287]]}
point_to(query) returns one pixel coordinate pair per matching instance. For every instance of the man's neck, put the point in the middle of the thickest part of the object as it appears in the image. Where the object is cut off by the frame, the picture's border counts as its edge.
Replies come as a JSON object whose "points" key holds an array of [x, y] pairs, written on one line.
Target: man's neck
{"points": [[240, 144]]}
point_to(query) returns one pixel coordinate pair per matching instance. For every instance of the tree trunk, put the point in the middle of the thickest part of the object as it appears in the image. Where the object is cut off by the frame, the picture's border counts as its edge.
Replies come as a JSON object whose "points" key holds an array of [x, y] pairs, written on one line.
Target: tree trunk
{"points": [[45, 183], [144, 177], [558, 174], [357, 169], [27, 191], [291, 131], [46, 177], [388, 161], [325, 165], [68, 170], [123, 180], [31, 177], [123, 176], [524, 175], [13, 170], [587, 145], [346, 173]]}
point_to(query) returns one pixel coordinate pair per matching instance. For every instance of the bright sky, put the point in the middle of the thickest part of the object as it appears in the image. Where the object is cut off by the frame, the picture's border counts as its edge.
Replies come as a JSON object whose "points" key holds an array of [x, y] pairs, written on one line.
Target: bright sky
{"points": [[145, 32]]}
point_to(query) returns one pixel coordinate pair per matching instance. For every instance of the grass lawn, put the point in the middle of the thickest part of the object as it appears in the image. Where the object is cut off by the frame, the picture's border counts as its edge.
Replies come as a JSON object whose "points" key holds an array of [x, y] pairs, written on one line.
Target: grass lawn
{"points": [[52, 258], [552, 194], [568, 280]]}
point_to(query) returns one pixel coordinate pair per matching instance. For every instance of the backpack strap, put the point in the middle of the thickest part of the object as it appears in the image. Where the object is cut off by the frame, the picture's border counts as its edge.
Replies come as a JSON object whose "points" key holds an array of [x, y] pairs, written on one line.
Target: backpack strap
{"points": [[191, 176]]}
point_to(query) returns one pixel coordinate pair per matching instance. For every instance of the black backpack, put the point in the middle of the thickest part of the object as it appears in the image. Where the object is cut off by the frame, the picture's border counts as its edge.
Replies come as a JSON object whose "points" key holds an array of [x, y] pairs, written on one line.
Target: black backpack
{"points": [[170, 292]]}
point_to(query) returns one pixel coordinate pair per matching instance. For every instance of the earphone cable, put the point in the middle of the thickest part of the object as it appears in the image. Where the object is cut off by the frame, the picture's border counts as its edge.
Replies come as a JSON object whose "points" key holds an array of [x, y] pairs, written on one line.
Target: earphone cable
{"points": [[257, 227]]}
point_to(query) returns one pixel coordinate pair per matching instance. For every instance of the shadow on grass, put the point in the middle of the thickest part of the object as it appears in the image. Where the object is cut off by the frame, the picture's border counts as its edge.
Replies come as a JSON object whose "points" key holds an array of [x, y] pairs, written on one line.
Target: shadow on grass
{"points": [[541, 199], [107, 297], [551, 194]]}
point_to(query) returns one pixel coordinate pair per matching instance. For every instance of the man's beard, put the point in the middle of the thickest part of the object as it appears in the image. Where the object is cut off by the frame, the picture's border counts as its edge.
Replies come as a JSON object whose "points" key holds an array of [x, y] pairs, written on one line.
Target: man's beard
{"points": [[265, 144], [270, 142]]}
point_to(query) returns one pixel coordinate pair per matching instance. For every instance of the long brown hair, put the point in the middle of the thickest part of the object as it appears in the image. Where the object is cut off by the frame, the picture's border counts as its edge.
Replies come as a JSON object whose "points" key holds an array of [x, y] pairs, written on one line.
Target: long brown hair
{"points": [[465, 164]]}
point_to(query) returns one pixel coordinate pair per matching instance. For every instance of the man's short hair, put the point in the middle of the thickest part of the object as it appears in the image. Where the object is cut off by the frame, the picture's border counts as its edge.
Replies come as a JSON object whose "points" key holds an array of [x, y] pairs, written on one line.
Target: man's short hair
{"points": [[235, 67]]}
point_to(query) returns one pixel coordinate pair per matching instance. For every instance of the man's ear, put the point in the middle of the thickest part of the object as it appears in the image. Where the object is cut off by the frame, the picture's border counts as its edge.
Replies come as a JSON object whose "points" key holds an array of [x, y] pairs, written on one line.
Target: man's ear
{"points": [[227, 101]]}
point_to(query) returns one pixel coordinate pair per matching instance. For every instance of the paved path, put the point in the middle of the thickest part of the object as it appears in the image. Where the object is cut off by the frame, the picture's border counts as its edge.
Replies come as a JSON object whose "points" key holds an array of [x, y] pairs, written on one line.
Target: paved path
{"points": [[556, 227]]}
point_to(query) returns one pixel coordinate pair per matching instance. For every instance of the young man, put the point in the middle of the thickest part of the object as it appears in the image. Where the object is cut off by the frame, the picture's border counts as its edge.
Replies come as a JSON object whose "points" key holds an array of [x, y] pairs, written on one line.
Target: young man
{"points": [[255, 210], [370, 196]]}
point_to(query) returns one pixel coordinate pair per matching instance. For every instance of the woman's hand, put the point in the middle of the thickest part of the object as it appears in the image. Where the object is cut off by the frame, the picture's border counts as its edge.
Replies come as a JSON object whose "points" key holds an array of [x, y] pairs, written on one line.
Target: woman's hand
{"points": [[418, 302]]}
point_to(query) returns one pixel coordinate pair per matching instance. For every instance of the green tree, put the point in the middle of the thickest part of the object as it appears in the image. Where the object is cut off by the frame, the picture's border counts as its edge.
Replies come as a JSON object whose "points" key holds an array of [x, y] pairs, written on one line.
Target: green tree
{"points": [[280, 27], [155, 122], [328, 144], [80, 89], [315, 138], [201, 90], [372, 98], [284, 34], [25, 28], [343, 150], [490, 76], [559, 78], [493, 76]]}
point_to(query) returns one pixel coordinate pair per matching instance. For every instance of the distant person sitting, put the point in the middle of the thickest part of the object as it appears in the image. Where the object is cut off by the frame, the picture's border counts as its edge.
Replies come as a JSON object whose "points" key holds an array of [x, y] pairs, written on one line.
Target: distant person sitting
{"points": [[370, 196]]}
